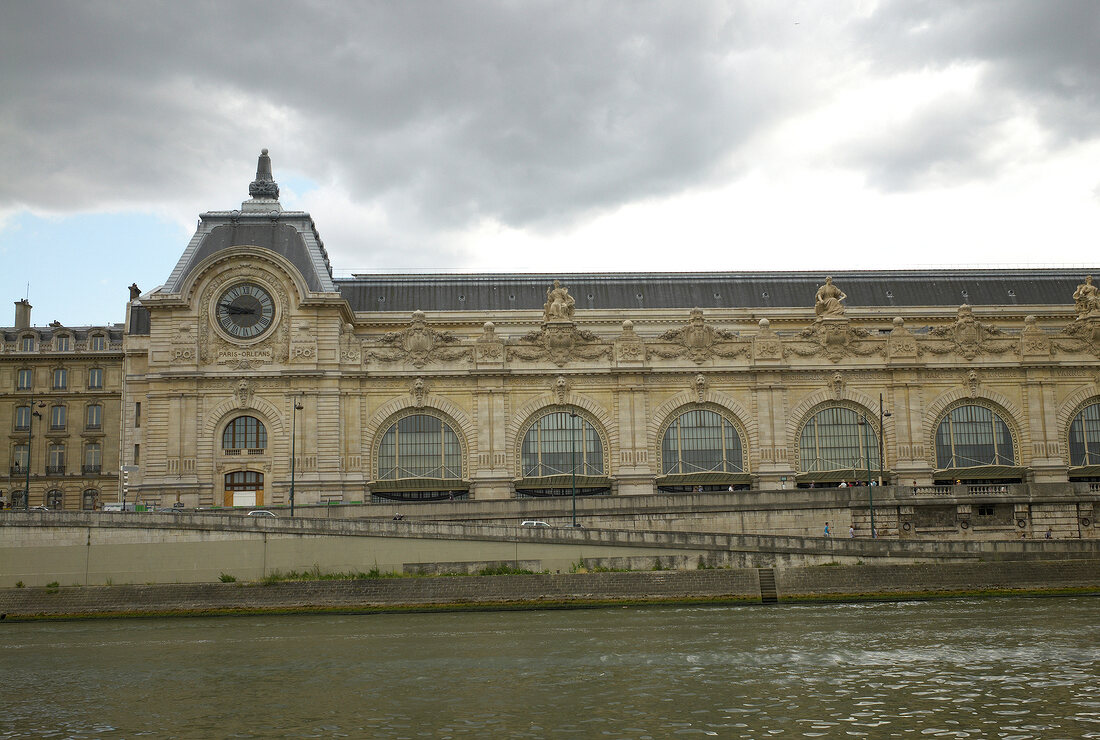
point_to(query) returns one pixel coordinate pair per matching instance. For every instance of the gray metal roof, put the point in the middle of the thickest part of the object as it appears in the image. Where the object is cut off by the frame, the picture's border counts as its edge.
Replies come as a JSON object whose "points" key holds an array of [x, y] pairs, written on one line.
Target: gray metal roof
{"points": [[756, 290]]}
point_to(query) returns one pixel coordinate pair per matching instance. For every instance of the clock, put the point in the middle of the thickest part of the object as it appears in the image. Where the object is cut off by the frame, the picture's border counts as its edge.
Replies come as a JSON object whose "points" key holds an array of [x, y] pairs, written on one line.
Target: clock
{"points": [[245, 311]]}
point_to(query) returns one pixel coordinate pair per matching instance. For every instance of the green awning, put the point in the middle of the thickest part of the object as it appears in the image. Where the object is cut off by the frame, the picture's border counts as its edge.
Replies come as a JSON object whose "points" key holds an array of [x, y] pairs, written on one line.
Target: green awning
{"points": [[1085, 471], [561, 481], [981, 472], [419, 484], [704, 479]]}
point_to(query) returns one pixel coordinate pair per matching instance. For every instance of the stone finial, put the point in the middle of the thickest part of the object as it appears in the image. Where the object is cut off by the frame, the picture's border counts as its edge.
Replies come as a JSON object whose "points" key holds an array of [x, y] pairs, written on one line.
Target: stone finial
{"points": [[264, 186], [765, 325], [899, 323]]}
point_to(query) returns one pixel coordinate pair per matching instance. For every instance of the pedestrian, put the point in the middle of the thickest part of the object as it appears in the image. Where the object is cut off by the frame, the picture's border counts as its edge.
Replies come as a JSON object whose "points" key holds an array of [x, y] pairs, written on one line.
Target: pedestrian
{"points": [[1050, 534], [826, 529], [843, 484], [851, 531]]}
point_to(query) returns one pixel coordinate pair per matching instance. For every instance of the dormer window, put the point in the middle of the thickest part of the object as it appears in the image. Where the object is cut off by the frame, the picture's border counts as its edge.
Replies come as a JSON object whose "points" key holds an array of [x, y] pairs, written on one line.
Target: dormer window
{"points": [[26, 344], [98, 342], [62, 344]]}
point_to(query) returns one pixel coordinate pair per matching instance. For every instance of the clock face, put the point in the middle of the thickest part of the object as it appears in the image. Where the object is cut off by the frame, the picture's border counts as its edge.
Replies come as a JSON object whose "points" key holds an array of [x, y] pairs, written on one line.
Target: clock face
{"points": [[245, 311]]}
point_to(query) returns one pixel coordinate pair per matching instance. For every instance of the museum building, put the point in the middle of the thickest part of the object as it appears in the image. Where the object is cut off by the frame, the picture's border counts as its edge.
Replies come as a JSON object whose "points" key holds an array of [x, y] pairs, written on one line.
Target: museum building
{"points": [[253, 374]]}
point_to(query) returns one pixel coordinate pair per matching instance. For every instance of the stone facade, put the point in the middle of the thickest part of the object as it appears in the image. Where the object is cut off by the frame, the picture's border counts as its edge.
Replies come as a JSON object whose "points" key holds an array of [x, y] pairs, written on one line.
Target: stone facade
{"points": [[252, 323]]}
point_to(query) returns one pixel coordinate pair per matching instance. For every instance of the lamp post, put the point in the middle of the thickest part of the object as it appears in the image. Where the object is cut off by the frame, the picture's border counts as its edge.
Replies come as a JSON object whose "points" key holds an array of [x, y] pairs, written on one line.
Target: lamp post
{"points": [[30, 428], [573, 453], [293, 439]]}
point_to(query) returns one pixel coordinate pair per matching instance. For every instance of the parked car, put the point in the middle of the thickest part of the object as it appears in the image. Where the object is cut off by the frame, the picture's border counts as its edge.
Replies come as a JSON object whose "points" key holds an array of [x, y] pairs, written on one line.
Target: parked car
{"points": [[40, 507], [169, 510], [534, 523], [261, 512]]}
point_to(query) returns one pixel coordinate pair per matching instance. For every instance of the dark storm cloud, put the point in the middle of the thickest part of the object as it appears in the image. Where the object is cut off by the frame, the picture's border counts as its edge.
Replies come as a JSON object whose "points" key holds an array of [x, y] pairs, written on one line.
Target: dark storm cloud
{"points": [[1039, 60], [532, 113]]}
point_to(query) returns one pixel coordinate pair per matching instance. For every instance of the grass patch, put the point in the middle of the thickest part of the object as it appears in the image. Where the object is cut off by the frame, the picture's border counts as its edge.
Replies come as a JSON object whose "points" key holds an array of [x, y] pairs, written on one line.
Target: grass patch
{"points": [[226, 578]]}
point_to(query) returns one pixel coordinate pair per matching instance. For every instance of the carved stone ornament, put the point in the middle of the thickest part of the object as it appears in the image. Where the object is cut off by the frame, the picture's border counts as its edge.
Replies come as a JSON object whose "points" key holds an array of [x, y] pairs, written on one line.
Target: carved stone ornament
{"points": [[902, 343], [1082, 336], [836, 339], [837, 384], [972, 383], [766, 344], [1086, 299], [699, 342], [559, 342], [418, 344], [419, 392], [1032, 339], [243, 393], [827, 301], [629, 346], [700, 388], [303, 347], [350, 346], [967, 337], [489, 348], [561, 390], [559, 305], [183, 345]]}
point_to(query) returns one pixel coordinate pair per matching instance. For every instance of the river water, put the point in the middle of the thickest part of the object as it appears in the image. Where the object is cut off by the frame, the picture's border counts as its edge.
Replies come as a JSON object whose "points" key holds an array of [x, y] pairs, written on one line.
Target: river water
{"points": [[997, 668]]}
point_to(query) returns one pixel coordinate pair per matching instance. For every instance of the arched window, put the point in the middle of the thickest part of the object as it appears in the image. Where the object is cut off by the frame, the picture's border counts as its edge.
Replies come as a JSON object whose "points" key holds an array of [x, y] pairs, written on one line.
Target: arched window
{"points": [[701, 441], [971, 436], [835, 439], [88, 499], [55, 499], [419, 446], [1084, 437], [556, 441], [244, 433]]}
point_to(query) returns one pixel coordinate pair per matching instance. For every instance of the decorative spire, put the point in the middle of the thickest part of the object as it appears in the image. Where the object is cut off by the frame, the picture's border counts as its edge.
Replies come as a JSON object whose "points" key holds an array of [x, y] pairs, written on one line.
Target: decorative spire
{"points": [[264, 186]]}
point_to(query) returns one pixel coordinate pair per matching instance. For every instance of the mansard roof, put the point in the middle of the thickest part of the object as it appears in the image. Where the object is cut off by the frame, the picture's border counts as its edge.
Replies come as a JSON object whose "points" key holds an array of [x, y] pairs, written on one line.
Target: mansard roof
{"points": [[753, 290]]}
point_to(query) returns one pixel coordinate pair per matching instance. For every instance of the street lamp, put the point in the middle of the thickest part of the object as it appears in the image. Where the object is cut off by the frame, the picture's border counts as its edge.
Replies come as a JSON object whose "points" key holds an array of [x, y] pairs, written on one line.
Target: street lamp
{"points": [[573, 452], [293, 439], [882, 415], [30, 427]]}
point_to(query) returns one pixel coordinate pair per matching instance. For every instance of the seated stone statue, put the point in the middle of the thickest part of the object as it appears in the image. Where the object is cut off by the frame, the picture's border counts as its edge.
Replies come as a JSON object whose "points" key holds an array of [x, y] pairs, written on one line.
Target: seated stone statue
{"points": [[1086, 299], [827, 302], [559, 304]]}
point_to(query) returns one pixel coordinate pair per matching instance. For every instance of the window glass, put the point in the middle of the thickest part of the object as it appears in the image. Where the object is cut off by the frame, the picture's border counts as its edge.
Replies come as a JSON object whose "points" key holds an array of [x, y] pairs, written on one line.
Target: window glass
{"points": [[701, 441], [60, 378], [95, 377], [244, 433], [556, 441], [57, 417], [23, 379], [970, 436], [26, 344], [93, 457], [19, 457], [94, 417], [62, 344], [55, 458], [1084, 437], [420, 446], [99, 343], [834, 439], [55, 499], [22, 417]]}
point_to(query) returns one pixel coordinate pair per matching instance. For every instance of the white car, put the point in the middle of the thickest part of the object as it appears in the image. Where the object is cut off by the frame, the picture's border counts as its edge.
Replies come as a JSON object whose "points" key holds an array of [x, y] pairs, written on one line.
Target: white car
{"points": [[534, 523], [261, 512]]}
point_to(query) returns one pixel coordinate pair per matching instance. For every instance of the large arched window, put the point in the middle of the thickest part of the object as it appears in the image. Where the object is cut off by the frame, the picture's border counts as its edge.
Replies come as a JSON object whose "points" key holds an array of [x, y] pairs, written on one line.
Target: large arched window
{"points": [[701, 441], [419, 446], [838, 438], [1084, 437], [562, 443], [244, 433], [972, 436]]}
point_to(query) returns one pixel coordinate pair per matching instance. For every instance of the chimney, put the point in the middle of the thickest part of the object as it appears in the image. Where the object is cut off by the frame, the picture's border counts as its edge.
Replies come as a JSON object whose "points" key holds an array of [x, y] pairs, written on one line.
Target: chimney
{"points": [[22, 314]]}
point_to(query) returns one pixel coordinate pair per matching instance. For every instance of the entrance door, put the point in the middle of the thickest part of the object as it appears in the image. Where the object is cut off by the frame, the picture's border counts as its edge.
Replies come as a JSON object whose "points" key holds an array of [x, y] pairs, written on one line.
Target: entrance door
{"points": [[244, 488]]}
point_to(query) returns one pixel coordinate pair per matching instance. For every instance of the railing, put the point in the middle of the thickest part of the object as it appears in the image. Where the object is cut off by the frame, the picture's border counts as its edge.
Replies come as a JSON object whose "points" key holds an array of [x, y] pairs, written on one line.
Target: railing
{"points": [[16, 470], [245, 451], [93, 427], [933, 490], [55, 470], [1094, 487], [1002, 488], [91, 469], [22, 428]]}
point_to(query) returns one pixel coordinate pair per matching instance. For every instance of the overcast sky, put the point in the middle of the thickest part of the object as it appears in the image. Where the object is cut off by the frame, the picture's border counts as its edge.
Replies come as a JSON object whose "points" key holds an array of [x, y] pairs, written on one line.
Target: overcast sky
{"points": [[547, 136]]}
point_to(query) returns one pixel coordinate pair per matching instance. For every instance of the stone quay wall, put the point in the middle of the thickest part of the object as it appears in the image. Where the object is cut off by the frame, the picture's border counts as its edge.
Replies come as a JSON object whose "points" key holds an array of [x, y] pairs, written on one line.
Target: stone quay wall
{"points": [[737, 585]]}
